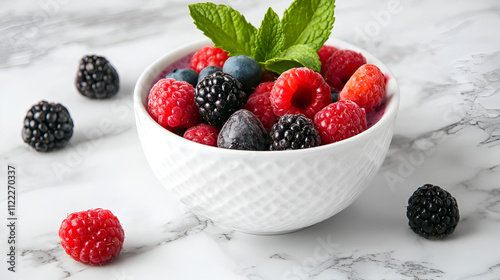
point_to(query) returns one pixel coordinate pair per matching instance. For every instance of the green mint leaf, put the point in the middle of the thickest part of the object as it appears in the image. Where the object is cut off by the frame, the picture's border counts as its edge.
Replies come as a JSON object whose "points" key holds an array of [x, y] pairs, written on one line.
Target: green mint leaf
{"points": [[295, 56], [226, 27], [281, 65], [308, 22], [270, 38]]}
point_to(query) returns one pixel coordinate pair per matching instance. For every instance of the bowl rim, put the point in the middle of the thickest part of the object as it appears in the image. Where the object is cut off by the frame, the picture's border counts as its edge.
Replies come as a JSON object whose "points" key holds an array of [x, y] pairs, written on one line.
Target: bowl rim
{"points": [[150, 74]]}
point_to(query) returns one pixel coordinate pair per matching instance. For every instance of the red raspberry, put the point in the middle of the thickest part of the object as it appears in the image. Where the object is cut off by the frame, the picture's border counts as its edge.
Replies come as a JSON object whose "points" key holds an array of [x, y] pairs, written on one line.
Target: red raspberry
{"points": [[340, 66], [207, 56], [300, 91], [171, 104], [268, 76], [340, 120], [260, 105], [324, 54], [93, 237], [203, 134], [366, 87]]}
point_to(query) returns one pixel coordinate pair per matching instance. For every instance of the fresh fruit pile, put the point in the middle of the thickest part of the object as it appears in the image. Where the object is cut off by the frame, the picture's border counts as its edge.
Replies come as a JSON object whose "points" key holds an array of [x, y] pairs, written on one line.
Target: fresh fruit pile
{"points": [[252, 77], [334, 113], [299, 92]]}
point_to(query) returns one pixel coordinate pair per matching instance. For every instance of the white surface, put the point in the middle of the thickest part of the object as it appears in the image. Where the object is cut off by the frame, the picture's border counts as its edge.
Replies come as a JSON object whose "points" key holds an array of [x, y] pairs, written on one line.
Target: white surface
{"points": [[445, 55]]}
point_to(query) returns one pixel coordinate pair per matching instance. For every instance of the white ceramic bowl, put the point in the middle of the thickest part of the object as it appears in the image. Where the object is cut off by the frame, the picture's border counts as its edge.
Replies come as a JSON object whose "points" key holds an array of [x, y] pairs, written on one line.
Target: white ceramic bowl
{"points": [[263, 192]]}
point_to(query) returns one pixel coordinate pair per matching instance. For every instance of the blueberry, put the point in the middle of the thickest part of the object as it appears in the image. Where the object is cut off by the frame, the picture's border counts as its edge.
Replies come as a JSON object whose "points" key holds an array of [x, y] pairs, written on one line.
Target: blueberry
{"points": [[335, 96], [184, 74], [243, 131], [246, 69], [209, 70]]}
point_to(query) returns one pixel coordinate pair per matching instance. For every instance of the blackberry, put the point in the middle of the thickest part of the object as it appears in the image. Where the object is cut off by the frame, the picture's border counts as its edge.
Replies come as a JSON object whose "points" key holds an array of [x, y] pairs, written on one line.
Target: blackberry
{"points": [[96, 77], [432, 212], [218, 96], [47, 126], [294, 132]]}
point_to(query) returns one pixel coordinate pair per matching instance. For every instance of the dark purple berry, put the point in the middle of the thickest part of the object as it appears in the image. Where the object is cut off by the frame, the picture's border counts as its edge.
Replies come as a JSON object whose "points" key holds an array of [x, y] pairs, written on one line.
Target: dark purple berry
{"points": [[432, 212]]}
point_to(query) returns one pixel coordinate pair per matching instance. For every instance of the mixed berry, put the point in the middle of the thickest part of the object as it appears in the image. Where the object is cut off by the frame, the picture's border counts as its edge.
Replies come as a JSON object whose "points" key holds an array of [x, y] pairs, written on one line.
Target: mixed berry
{"points": [[259, 103], [171, 104], [208, 56], [294, 132], [231, 101], [432, 212], [340, 66], [203, 133], [236, 98], [243, 131], [93, 237], [218, 96], [97, 78], [47, 126]]}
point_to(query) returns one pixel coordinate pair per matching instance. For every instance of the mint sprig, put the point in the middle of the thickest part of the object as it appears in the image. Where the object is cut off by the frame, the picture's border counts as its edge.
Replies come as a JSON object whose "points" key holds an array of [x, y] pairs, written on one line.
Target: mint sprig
{"points": [[226, 27], [278, 45], [295, 56], [308, 22], [270, 37]]}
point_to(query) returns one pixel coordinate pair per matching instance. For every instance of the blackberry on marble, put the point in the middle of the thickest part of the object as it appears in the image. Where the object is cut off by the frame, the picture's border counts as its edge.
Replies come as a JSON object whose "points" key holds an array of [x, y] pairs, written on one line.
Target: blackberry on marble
{"points": [[47, 126], [96, 77], [432, 212], [293, 132], [218, 96]]}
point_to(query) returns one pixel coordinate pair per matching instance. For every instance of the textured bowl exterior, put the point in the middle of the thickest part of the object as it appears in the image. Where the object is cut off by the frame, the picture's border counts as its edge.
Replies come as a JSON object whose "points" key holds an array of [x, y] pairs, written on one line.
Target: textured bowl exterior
{"points": [[263, 192]]}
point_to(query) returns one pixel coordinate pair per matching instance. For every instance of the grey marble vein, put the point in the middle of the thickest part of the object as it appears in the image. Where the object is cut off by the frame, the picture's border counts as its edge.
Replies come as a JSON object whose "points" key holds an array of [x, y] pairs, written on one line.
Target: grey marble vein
{"points": [[352, 265]]}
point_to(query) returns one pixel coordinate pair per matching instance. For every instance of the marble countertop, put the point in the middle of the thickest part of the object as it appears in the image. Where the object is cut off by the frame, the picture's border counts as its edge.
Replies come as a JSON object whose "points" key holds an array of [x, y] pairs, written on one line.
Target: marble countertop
{"points": [[445, 54]]}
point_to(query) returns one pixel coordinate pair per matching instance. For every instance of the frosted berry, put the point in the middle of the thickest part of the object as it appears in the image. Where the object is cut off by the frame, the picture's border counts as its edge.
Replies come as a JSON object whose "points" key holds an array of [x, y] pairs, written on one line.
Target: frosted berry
{"points": [[243, 131], [171, 104], [339, 121], [300, 91], [93, 237], [208, 56], [366, 87]]}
